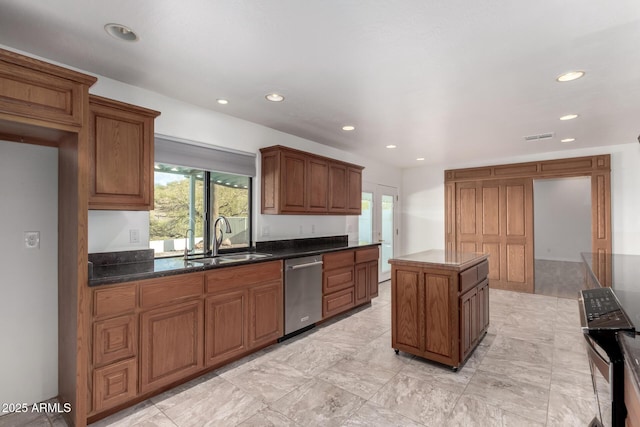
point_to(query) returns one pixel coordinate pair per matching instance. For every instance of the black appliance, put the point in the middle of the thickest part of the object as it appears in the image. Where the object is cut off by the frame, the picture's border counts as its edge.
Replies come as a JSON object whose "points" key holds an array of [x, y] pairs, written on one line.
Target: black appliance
{"points": [[602, 318]]}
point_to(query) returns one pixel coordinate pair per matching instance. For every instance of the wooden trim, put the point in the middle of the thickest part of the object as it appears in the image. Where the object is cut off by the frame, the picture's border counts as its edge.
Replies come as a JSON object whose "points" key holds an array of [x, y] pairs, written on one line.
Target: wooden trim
{"points": [[45, 67], [576, 166], [597, 167]]}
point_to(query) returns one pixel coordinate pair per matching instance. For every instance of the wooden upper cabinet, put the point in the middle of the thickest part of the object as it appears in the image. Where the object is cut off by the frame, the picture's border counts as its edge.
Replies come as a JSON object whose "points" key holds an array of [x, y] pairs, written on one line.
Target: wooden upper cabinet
{"points": [[338, 191], [296, 182], [35, 92], [120, 155], [354, 186], [317, 190]]}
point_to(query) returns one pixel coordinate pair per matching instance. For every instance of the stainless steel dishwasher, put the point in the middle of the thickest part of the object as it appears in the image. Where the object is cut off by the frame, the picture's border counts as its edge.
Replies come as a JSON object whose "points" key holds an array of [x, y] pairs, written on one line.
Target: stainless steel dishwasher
{"points": [[302, 293]]}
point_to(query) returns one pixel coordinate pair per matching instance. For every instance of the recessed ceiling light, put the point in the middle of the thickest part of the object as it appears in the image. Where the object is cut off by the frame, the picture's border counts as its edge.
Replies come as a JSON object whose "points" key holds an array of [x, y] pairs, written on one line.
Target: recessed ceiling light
{"points": [[420, 159], [569, 117], [274, 97], [222, 101], [569, 76], [121, 32], [568, 140], [348, 127], [391, 146]]}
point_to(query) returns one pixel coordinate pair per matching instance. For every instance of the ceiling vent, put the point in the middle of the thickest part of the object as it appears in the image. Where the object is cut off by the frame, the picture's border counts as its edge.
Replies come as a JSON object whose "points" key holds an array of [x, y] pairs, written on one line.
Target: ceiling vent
{"points": [[539, 137]]}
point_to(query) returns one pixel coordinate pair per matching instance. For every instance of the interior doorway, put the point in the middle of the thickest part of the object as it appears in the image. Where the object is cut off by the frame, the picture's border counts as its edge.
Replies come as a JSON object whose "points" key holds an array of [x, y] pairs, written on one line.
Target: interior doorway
{"points": [[562, 224], [378, 223]]}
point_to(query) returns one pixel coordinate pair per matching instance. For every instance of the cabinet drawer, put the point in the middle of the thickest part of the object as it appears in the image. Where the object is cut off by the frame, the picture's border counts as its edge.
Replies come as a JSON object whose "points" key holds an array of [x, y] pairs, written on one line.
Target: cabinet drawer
{"points": [[338, 259], [232, 277], [114, 339], [337, 279], [365, 255], [114, 384], [113, 301], [338, 302], [170, 289], [483, 270]]}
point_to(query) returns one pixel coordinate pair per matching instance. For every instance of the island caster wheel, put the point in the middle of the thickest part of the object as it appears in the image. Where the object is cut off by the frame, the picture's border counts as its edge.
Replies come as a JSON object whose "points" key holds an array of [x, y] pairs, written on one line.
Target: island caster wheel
{"points": [[396, 350]]}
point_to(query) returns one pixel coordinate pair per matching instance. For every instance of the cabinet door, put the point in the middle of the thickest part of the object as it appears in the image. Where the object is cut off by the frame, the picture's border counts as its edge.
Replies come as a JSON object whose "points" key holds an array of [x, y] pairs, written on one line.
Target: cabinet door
{"points": [[438, 314], [265, 313], [468, 322], [172, 344], [407, 311], [121, 156], [372, 278], [362, 283], [293, 182], [338, 189], [226, 326], [354, 186], [317, 185], [483, 307]]}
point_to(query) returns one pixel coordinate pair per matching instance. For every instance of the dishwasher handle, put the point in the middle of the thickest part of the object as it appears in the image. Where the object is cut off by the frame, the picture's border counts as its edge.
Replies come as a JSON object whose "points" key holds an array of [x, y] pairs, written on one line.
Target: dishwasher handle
{"points": [[306, 265]]}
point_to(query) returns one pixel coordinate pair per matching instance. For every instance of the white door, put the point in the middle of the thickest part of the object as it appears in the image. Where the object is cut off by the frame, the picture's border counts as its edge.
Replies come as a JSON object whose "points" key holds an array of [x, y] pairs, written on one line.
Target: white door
{"points": [[378, 223]]}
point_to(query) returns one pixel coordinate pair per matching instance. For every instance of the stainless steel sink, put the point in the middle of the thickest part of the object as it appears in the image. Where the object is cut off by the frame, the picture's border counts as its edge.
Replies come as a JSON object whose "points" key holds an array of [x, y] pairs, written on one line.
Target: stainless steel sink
{"points": [[225, 259]]}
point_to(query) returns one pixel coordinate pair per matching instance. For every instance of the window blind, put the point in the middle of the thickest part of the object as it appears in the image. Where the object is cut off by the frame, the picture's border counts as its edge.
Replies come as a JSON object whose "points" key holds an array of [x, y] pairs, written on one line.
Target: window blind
{"points": [[195, 155]]}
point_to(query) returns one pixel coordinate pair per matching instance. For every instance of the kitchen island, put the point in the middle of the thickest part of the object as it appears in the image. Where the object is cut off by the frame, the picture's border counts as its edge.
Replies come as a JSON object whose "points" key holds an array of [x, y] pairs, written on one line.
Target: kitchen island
{"points": [[440, 304]]}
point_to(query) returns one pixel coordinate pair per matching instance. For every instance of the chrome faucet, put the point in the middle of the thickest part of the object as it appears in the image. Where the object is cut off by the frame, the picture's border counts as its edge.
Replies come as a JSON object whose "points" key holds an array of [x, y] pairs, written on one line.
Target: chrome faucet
{"points": [[187, 251], [217, 241]]}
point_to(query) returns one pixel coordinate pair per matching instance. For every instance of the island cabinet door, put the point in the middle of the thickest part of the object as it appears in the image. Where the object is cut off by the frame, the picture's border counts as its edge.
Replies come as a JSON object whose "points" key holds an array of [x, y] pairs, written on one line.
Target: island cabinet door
{"points": [[469, 328], [407, 311], [438, 312], [483, 307], [226, 326], [172, 344]]}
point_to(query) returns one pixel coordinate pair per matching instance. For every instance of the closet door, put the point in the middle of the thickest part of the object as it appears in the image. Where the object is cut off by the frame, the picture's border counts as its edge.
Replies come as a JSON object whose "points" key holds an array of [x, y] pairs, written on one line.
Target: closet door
{"points": [[496, 217]]}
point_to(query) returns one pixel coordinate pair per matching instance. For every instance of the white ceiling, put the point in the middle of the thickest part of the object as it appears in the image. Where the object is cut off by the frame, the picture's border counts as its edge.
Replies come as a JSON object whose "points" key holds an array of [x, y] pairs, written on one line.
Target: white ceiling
{"points": [[452, 81]]}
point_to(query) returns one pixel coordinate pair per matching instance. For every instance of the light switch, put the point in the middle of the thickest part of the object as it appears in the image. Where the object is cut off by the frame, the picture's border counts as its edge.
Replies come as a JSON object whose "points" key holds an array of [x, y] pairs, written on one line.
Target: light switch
{"points": [[134, 236]]}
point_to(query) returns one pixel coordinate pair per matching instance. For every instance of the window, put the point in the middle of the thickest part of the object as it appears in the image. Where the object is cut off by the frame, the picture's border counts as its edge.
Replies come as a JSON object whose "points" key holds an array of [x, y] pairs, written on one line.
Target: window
{"points": [[191, 199]]}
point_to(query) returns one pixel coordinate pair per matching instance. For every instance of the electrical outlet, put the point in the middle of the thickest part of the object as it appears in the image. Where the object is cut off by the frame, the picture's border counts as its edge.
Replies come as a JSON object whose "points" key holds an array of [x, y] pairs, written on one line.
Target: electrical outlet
{"points": [[32, 239], [134, 236], [313, 228], [265, 230]]}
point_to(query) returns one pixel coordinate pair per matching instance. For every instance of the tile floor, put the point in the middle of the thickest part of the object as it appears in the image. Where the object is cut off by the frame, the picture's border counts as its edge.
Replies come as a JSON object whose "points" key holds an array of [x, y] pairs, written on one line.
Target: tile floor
{"points": [[530, 370]]}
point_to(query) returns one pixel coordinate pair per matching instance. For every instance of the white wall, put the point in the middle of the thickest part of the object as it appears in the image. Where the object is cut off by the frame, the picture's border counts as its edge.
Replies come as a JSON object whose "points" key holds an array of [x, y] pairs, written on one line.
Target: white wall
{"points": [[109, 231], [562, 218], [28, 277], [422, 197]]}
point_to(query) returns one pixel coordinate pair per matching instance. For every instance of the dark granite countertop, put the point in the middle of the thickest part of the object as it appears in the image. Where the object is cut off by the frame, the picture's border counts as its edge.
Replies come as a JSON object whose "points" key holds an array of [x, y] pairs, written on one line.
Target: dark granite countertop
{"points": [[118, 267]]}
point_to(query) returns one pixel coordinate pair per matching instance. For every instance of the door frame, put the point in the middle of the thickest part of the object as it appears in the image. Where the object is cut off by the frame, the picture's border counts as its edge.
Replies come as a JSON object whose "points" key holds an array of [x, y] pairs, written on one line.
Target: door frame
{"points": [[597, 167], [377, 190]]}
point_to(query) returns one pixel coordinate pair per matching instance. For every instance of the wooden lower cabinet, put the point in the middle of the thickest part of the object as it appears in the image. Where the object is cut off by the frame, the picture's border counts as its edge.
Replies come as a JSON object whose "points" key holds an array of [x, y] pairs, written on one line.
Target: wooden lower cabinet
{"points": [[171, 341], [114, 339], [366, 281], [226, 326], [115, 384], [469, 326], [266, 321], [349, 279], [439, 313]]}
